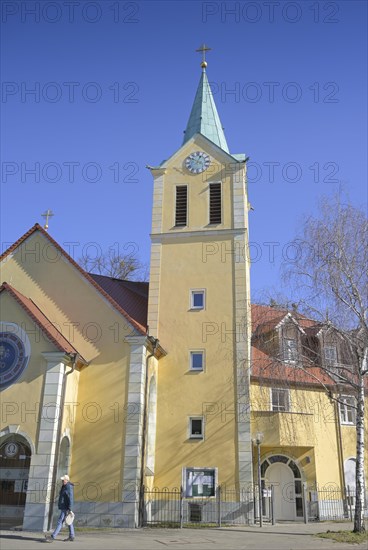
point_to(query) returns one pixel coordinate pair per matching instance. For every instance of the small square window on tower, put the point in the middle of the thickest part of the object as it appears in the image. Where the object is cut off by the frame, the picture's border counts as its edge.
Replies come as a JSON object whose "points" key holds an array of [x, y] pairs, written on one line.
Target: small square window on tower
{"points": [[196, 427], [197, 361], [197, 299]]}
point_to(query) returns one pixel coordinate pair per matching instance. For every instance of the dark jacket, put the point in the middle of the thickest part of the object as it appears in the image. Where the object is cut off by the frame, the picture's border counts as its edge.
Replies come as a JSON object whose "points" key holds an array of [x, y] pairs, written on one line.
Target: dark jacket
{"points": [[66, 497]]}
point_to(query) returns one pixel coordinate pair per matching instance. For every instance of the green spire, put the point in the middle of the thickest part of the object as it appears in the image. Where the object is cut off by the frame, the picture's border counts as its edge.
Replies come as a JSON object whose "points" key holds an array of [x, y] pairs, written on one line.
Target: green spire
{"points": [[204, 118]]}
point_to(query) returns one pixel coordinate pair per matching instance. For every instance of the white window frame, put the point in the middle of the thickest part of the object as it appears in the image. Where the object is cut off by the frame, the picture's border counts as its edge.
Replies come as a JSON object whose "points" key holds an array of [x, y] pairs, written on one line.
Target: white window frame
{"points": [[329, 362], [286, 392], [197, 352], [196, 436], [191, 298], [287, 350], [346, 409], [211, 471]]}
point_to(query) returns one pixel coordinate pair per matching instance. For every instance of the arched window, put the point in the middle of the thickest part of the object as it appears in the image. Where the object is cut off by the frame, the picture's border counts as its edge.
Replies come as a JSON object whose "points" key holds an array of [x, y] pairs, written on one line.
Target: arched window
{"points": [[349, 470], [64, 457]]}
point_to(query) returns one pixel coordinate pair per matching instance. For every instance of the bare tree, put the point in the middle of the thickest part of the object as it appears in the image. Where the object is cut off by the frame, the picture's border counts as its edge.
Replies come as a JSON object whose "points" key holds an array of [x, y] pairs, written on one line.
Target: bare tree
{"points": [[116, 265], [330, 278]]}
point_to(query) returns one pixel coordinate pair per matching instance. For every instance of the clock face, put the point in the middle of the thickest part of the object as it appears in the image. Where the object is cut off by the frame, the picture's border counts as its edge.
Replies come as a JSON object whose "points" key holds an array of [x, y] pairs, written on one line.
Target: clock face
{"points": [[197, 162]]}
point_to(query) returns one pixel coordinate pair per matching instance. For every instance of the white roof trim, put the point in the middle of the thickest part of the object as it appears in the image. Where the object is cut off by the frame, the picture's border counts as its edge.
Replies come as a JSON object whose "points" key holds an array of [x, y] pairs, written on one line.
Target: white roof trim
{"points": [[289, 317], [217, 151]]}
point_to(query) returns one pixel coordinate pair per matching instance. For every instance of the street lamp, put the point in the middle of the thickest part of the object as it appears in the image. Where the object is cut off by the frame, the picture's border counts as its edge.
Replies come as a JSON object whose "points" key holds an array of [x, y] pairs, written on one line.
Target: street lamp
{"points": [[257, 440]]}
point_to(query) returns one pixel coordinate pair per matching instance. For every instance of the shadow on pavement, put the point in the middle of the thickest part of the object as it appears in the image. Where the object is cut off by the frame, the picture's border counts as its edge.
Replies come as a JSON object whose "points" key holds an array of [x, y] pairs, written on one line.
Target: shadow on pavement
{"points": [[20, 537], [264, 532]]}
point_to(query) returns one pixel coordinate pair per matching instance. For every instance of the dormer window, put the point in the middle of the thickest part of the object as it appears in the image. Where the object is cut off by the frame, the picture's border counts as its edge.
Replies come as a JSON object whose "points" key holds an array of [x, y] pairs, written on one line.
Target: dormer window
{"points": [[290, 350], [330, 356]]}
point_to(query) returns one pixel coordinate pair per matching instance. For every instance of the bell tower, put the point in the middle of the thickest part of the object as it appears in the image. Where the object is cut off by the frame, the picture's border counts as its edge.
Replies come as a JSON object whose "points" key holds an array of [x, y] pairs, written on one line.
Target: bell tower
{"points": [[199, 307]]}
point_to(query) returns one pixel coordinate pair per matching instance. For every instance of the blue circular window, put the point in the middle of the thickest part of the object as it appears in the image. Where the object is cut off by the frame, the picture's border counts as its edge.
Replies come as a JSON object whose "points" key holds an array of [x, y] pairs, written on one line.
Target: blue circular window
{"points": [[14, 354]]}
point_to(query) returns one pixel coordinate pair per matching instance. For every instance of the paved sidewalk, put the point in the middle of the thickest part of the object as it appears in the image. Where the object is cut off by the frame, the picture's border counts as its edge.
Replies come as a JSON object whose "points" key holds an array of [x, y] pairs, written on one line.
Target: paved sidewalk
{"points": [[290, 536]]}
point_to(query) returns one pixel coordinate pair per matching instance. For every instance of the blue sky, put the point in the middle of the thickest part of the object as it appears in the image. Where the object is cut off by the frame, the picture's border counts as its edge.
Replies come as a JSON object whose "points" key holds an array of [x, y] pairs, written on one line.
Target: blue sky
{"points": [[114, 84]]}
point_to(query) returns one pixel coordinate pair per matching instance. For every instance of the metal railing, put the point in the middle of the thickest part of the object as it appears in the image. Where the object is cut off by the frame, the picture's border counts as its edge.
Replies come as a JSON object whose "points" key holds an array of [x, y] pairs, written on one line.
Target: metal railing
{"points": [[239, 506], [170, 507], [331, 503]]}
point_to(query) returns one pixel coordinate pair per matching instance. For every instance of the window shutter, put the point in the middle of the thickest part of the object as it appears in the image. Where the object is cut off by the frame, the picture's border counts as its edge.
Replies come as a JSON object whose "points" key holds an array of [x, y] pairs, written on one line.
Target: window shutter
{"points": [[181, 205], [215, 203]]}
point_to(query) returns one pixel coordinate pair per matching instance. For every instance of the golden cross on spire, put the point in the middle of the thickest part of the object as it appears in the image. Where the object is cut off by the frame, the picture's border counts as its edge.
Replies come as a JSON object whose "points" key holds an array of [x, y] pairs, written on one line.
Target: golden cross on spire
{"points": [[203, 49], [48, 214]]}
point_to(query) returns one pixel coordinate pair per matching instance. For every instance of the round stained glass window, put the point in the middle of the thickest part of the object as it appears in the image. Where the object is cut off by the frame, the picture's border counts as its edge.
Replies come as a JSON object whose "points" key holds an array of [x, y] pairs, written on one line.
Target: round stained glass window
{"points": [[14, 353]]}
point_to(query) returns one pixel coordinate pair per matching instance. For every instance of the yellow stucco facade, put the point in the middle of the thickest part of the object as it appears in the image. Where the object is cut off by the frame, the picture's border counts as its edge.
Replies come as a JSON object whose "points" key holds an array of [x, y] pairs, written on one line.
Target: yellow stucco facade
{"points": [[311, 428], [200, 256], [128, 388], [91, 410]]}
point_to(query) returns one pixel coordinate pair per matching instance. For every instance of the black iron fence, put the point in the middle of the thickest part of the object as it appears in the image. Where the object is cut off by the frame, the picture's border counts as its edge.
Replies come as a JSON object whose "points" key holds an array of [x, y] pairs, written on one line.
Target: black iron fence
{"points": [[240, 506], [331, 503], [170, 507]]}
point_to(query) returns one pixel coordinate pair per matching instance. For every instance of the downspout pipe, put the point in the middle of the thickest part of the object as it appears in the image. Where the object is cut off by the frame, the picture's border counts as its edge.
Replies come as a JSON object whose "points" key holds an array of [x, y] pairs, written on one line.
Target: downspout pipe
{"points": [[73, 357], [341, 457], [155, 343]]}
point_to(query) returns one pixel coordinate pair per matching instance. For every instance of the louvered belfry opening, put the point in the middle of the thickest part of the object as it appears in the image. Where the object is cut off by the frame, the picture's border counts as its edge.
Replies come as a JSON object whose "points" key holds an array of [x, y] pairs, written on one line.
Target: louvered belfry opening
{"points": [[181, 205], [215, 203]]}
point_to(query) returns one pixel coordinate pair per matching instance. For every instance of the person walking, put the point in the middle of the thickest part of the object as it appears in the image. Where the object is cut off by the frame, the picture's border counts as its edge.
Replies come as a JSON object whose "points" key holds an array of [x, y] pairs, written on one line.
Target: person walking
{"points": [[65, 505]]}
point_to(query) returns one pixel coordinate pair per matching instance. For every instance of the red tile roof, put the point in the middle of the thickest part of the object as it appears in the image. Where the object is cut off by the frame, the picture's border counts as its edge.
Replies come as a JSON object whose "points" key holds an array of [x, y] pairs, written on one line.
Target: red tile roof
{"points": [[141, 328], [130, 295], [41, 320], [266, 318], [267, 367]]}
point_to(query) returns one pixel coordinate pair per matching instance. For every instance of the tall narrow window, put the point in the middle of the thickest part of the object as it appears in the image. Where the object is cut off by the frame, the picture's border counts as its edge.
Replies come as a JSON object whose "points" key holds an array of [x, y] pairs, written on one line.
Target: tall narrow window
{"points": [[181, 206], [290, 350], [347, 409], [215, 203]]}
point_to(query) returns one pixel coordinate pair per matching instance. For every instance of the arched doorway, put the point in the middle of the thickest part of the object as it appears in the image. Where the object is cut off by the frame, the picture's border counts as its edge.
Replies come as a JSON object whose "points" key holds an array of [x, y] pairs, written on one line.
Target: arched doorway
{"points": [[15, 460], [285, 476]]}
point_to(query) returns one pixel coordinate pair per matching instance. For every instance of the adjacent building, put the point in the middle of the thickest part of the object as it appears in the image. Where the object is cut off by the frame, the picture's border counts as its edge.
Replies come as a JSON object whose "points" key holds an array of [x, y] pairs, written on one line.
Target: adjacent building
{"points": [[304, 413]]}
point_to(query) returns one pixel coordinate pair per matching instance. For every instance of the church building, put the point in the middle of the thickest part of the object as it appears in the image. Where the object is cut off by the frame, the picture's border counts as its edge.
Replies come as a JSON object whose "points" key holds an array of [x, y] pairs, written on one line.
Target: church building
{"points": [[123, 385], [128, 386]]}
